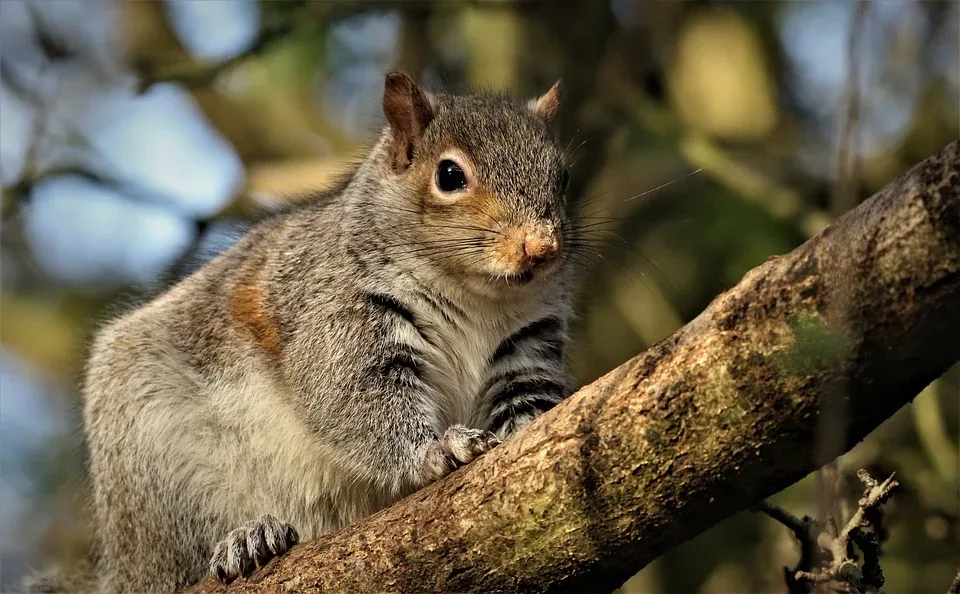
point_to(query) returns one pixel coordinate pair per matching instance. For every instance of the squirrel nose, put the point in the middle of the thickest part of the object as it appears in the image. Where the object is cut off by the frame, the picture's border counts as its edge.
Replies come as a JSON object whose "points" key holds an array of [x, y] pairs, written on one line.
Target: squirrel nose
{"points": [[540, 245]]}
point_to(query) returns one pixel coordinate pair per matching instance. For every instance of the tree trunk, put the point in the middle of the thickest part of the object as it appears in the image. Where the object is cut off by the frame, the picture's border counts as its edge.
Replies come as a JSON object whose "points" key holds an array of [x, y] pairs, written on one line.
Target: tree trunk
{"points": [[704, 424]]}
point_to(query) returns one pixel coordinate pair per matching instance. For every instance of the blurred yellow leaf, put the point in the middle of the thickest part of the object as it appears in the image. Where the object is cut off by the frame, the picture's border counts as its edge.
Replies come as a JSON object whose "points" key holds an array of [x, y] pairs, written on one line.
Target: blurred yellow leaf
{"points": [[492, 36], [270, 183], [146, 37], [933, 434], [719, 81], [41, 333], [646, 309]]}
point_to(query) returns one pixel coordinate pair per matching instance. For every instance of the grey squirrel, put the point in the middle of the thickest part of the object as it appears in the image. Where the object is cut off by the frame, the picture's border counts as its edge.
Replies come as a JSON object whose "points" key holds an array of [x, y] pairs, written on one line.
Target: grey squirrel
{"points": [[341, 354]]}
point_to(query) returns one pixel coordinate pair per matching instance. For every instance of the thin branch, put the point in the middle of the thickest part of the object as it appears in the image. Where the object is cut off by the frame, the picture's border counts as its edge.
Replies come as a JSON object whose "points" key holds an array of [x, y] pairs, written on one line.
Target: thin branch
{"points": [[19, 193], [837, 567], [845, 195], [195, 76], [800, 528], [783, 203], [192, 75], [805, 531]]}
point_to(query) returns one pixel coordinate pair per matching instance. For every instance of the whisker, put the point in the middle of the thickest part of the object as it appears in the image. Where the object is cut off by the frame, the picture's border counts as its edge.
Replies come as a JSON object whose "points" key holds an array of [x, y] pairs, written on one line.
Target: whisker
{"points": [[424, 253], [437, 243], [661, 186], [441, 251]]}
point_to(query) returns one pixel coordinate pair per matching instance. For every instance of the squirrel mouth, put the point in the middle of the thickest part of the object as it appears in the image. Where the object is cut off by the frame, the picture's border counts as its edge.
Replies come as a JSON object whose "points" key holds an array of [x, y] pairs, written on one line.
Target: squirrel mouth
{"points": [[518, 279]]}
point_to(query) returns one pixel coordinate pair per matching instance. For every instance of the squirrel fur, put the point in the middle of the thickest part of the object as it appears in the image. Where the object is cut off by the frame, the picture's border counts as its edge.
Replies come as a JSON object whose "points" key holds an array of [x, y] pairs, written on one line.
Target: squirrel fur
{"points": [[341, 354]]}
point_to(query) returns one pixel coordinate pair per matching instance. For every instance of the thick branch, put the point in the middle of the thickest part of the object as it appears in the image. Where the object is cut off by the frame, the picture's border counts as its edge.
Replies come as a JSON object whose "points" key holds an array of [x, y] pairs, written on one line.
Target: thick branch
{"points": [[705, 424], [955, 584]]}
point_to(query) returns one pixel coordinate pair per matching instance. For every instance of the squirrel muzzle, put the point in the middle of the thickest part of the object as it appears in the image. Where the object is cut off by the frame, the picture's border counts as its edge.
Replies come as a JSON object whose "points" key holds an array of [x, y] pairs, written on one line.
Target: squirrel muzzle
{"points": [[541, 245]]}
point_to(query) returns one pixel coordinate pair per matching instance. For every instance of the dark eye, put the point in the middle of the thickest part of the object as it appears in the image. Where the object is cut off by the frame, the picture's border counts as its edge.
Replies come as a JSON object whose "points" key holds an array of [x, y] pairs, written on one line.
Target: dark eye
{"points": [[450, 178], [564, 179]]}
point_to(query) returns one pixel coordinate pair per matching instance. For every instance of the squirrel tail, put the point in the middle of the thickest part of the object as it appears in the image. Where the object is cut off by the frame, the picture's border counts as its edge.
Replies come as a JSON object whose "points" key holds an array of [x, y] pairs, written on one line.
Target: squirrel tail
{"points": [[78, 579]]}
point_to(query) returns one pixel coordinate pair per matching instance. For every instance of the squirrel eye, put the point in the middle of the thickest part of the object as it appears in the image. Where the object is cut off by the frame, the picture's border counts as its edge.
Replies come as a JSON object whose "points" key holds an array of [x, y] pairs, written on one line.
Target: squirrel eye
{"points": [[450, 178], [564, 179]]}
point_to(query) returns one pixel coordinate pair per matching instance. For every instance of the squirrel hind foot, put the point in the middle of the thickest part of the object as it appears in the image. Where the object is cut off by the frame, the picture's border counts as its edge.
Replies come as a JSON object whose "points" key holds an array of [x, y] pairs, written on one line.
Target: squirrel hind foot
{"points": [[251, 546]]}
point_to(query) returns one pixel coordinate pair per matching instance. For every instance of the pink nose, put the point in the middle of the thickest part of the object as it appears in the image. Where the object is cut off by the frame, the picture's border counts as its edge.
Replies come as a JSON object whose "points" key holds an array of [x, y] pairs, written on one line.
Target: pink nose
{"points": [[540, 245]]}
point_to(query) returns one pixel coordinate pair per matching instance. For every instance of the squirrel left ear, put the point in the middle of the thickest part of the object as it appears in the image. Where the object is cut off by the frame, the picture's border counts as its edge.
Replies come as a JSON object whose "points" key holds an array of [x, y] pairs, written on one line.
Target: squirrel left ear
{"points": [[547, 105], [408, 110]]}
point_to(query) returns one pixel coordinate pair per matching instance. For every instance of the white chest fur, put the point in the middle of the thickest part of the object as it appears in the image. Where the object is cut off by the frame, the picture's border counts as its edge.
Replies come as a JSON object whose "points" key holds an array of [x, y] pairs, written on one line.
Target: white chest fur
{"points": [[459, 369], [458, 350]]}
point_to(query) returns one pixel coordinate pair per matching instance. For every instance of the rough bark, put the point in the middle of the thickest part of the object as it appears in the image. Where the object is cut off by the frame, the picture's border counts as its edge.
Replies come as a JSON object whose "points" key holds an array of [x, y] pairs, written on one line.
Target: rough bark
{"points": [[704, 424]]}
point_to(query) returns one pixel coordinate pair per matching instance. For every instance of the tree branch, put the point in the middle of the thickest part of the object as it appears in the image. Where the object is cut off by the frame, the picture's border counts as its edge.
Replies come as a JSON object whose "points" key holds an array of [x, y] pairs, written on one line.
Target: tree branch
{"points": [[955, 584], [824, 544], [191, 75], [704, 424], [805, 531]]}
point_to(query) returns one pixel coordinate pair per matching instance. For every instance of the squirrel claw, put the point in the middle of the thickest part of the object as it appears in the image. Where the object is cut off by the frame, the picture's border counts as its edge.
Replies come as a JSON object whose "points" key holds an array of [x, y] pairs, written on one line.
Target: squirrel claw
{"points": [[459, 445], [251, 546]]}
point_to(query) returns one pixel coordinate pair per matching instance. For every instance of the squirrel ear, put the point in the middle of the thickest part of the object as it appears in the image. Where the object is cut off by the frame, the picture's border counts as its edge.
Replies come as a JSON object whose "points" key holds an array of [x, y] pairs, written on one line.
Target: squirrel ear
{"points": [[409, 110], [547, 105]]}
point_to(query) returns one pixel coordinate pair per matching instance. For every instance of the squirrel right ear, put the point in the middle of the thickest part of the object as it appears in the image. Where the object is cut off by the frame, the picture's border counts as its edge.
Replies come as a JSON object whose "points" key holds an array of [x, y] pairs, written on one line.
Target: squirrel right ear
{"points": [[409, 110], [547, 105]]}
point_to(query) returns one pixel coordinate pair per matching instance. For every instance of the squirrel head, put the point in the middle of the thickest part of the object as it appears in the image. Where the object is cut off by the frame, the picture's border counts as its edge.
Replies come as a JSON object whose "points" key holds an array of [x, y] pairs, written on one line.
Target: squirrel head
{"points": [[485, 178]]}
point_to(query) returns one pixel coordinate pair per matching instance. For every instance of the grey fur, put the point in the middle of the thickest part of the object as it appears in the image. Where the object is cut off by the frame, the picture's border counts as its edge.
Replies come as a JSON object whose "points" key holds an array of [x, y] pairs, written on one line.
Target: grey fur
{"points": [[359, 368]]}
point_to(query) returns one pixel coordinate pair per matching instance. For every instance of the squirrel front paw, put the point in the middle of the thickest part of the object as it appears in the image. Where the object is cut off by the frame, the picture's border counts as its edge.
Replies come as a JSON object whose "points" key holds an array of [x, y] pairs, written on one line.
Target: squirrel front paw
{"points": [[459, 445], [250, 546]]}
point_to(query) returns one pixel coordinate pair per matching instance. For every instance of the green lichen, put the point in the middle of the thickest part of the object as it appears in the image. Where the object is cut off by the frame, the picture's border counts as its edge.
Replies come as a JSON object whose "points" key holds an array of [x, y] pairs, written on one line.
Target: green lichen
{"points": [[816, 346]]}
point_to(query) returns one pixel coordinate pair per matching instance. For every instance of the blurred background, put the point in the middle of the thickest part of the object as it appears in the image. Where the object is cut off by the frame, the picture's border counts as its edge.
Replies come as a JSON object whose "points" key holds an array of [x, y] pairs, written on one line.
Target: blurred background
{"points": [[707, 136]]}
